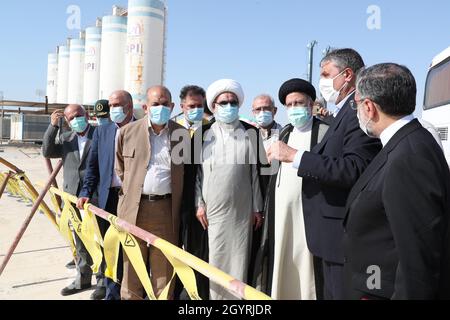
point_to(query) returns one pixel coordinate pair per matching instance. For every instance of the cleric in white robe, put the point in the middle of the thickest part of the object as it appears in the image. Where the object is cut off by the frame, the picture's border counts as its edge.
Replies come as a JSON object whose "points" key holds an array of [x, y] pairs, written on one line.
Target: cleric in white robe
{"points": [[228, 193], [285, 266]]}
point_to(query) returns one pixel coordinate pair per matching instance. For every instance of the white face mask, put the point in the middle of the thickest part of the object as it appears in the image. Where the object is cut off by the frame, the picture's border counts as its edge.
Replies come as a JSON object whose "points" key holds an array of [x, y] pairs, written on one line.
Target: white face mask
{"points": [[327, 89], [364, 125]]}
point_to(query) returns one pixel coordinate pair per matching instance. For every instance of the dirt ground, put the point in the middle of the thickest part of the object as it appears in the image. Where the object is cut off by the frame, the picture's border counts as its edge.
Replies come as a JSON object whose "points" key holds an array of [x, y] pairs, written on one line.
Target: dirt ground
{"points": [[37, 270]]}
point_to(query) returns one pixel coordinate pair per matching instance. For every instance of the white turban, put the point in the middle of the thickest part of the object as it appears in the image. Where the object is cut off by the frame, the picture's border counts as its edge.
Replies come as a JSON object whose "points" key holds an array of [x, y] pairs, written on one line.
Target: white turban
{"points": [[222, 86]]}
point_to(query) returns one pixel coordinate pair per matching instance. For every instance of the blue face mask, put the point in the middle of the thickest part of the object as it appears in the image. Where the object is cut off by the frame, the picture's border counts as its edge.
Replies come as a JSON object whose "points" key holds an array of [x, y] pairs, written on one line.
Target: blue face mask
{"points": [[228, 113], [264, 118], [195, 115], [102, 121], [79, 124], [159, 115], [299, 116], [117, 115]]}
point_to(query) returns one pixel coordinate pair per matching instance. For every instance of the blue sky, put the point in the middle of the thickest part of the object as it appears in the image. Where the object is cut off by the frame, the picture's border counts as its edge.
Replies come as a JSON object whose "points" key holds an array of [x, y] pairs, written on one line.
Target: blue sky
{"points": [[260, 43]]}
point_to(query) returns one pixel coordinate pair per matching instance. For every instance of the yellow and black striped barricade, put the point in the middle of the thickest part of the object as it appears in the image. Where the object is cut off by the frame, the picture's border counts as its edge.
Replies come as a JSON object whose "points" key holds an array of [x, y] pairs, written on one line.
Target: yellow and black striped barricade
{"points": [[124, 233]]}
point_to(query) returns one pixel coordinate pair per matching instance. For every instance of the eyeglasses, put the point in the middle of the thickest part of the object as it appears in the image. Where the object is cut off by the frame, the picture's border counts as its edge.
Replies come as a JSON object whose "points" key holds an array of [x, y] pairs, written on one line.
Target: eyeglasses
{"points": [[225, 103], [355, 103]]}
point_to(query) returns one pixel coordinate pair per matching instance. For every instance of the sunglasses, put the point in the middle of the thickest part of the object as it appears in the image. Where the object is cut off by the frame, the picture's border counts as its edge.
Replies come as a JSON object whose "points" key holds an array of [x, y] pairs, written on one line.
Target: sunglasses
{"points": [[225, 103]]}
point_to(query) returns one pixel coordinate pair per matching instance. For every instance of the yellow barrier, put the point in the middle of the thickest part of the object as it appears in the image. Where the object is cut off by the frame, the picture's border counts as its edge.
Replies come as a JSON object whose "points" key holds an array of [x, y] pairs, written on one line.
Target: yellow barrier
{"points": [[20, 186], [122, 232], [17, 184], [14, 189]]}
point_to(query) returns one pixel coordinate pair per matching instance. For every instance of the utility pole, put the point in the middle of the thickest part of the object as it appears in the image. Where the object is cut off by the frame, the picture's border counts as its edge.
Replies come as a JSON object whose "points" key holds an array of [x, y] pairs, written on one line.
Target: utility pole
{"points": [[311, 46], [327, 51]]}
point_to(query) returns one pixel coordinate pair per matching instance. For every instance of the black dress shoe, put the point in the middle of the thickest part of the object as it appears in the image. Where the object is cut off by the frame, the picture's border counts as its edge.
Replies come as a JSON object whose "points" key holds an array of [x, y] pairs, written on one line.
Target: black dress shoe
{"points": [[71, 265], [99, 294], [72, 289]]}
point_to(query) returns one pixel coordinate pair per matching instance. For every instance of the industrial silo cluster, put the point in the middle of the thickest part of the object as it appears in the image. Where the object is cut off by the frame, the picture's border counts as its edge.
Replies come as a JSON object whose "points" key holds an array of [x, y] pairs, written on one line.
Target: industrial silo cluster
{"points": [[125, 50]]}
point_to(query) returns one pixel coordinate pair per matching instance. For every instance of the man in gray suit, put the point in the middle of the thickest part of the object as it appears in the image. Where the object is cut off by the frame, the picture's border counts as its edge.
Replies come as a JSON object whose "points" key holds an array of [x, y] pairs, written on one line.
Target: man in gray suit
{"points": [[73, 147]]}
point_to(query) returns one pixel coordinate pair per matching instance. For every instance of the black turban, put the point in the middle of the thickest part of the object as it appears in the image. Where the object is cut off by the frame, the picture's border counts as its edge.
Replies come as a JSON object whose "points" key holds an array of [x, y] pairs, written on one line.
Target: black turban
{"points": [[296, 85]]}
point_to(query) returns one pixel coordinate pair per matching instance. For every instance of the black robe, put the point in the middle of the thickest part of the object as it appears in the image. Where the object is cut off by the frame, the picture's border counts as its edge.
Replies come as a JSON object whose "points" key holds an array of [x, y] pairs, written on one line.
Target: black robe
{"points": [[263, 272]]}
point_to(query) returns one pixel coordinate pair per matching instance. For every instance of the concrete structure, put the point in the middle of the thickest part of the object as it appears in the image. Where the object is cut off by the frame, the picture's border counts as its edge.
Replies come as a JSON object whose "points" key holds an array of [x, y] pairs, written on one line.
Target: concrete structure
{"points": [[112, 64], [92, 64], [63, 74], [76, 71], [144, 60], [125, 50], [52, 77]]}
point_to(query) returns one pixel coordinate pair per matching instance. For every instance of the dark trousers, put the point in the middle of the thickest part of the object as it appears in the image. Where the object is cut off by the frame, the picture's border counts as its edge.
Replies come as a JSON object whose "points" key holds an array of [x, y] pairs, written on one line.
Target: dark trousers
{"points": [[195, 241], [83, 263], [112, 288], [333, 276], [318, 277]]}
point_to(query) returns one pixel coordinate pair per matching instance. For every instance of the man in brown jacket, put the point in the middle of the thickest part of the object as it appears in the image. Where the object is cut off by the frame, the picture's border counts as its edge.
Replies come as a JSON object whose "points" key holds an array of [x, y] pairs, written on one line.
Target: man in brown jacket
{"points": [[151, 167]]}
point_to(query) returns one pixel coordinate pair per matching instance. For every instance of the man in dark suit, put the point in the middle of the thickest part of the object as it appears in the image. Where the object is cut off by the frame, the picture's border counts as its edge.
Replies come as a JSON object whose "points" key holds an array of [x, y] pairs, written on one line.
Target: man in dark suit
{"points": [[100, 172], [73, 147], [332, 167], [397, 225]]}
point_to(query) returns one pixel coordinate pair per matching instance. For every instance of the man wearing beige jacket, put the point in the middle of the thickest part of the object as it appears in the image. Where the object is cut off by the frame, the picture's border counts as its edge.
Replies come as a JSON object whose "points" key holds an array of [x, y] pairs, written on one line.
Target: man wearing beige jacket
{"points": [[152, 185]]}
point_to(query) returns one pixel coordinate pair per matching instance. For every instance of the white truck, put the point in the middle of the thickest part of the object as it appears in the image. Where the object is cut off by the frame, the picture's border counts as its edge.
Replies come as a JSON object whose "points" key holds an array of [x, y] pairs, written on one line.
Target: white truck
{"points": [[436, 107]]}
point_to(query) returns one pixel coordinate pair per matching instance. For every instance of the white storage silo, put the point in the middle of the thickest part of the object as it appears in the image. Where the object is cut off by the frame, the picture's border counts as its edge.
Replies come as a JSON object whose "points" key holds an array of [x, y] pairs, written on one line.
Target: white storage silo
{"points": [[92, 65], [52, 77], [63, 74], [112, 61], [144, 62], [76, 71]]}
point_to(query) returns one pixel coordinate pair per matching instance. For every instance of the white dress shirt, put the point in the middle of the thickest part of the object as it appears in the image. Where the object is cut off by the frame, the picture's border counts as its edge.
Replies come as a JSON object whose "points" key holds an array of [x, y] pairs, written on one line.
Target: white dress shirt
{"points": [[82, 143], [390, 131], [339, 106], [116, 182], [158, 180]]}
